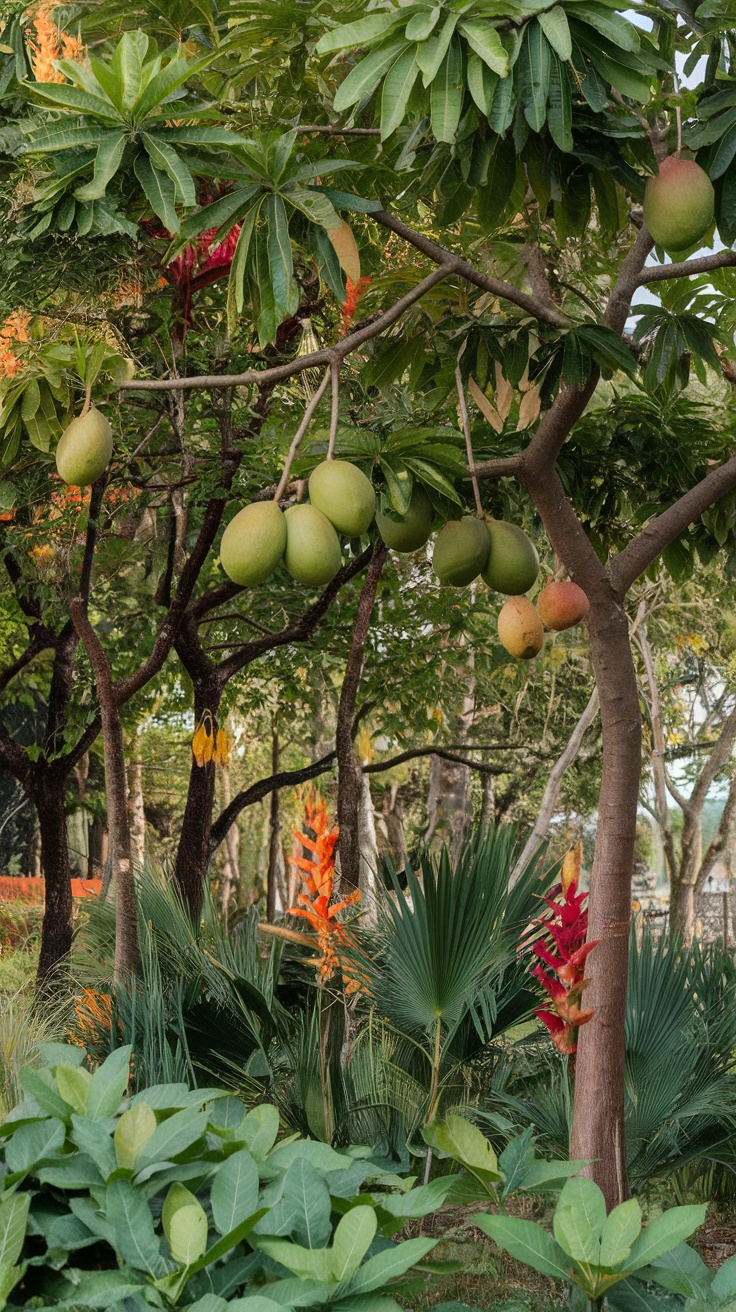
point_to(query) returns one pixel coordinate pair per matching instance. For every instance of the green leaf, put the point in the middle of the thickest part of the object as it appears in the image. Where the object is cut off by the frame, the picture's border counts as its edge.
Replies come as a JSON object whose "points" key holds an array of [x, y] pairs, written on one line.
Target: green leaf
{"points": [[103, 1289], [259, 1130], [534, 76], [559, 109], [362, 80], [579, 1219], [353, 1237], [361, 33], [13, 1221], [621, 1229], [618, 30], [159, 190], [184, 1223], [307, 1199], [9, 1277], [664, 1233], [399, 483], [397, 88], [526, 1242], [280, 261], [161, 87], [236, 282], [33, 1143], [174, 1135], [345, 200], [93, 1139], [229, 1241], [486, 43], [389, 1264], [556, 28], [306, 1263], [724, 154], [315, 204], [136, 1241], [164, 158], [109, 1084], [460, 1139], [62, 96], [430, 53], [126, 67], [433, 477], [446, 94], [422, 1200], [422, 25], [234, 1194], [494, 197], [107, 162], [29, 405], [132, 1132], [482, 83]]}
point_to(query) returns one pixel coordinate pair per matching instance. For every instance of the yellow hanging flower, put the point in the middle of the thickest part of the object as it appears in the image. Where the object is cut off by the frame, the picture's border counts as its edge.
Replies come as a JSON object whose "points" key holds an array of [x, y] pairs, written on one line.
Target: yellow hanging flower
{"points": [[209, 743]]}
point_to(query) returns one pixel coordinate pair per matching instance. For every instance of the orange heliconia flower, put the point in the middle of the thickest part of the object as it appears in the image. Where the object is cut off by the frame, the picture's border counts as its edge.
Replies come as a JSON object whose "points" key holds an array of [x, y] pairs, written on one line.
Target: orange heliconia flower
{"points": [[353, 291], [93, 1014], [49, 44], [316, 906], [13, 332]]}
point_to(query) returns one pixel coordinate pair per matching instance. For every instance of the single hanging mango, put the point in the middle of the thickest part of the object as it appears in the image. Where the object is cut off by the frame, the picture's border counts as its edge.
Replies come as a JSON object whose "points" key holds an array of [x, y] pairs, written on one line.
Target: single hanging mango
{"points": [[678, 204], [84, 449], [253, 543], [520, 629], [513, 563], [411, 531], [562, 605], [461, 551], [344, 494], [313, 553]]}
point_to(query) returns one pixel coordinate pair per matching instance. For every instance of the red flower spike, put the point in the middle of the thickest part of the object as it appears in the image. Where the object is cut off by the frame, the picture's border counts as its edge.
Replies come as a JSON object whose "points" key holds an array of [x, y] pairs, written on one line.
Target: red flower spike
{"points": [[316, 904], [565, 926]]}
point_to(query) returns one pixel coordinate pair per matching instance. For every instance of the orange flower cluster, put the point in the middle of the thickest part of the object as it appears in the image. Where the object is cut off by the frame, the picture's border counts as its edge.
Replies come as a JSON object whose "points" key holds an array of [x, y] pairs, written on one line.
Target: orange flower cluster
{"points": [[13, 332], [209, 744], [354, 291], [49, 44], [93, 1015], [319, 877]]}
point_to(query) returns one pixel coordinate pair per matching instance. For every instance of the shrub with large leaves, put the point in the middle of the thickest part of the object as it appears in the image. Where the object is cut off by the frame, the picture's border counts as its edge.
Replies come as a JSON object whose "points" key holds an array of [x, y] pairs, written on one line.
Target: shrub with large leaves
{"points": [[128, 121]]}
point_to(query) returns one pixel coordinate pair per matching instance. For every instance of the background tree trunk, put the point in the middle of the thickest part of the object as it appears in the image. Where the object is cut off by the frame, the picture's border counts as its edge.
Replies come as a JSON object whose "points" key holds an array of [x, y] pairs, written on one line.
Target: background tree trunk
{"points": [[137, 815], [56, 929], [194, 850], [276, 864]]}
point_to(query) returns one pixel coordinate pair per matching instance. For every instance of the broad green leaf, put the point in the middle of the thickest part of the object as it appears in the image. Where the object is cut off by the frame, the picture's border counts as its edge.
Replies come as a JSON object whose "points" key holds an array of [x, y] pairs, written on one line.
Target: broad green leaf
{"points": [[534, 76], [43, 1088], [459, 1138], [306, 1263], [526, 1242], [433, 477], [422, 24], [126, 66], [364, 78], [422, 1200], [62, 96], [482, 83], [236, 282], [724, 154], [399, 483], [664, 1233], [622, 1227], [611, 25], [159, 190], [259, 1130], [132, 1132], [9, 1277], [161, 87], [430, 53], [13, 1220], [487, 44], [103, 1289], [559, 108], [62, 136], [109, 1083], [307, 1198], [184, 1224], [72, 1081], [397, 88], [353, 1237], [579, 1219], [315, 204], [361, 33], [234, 1194], [556, 28], [136, 1241], [389, 1264], [93, 1139], [29, 405], [164, 158], [107, 162], [229, 1241], [723, 1284], [446, 94], [174, 1135]]}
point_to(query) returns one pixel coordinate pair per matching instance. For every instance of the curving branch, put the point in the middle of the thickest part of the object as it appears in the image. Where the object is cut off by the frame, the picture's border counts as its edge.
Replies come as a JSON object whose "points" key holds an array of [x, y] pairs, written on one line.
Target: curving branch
{"points": [[644, 549], [326, 357], [687, 268]]}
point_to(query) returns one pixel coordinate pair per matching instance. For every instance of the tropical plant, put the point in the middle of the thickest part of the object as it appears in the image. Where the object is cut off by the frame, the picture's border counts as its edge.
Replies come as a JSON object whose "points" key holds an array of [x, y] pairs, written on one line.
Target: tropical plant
{"points": [[680, 1065], [595, 1251], [185, 1199]]}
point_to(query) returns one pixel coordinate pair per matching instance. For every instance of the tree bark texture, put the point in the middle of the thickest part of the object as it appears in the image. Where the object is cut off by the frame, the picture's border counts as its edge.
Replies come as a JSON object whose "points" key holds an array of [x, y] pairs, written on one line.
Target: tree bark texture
{"points": [[127, 954], [56, 930], [137, 815], [194, 850], [275, 873], [350, 775]]}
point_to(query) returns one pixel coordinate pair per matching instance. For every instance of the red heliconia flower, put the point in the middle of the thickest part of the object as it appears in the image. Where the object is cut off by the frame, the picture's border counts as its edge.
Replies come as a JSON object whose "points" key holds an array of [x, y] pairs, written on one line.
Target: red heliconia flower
{"points": [[353, 293], [316, 906], [565, 927], [201, 264]]}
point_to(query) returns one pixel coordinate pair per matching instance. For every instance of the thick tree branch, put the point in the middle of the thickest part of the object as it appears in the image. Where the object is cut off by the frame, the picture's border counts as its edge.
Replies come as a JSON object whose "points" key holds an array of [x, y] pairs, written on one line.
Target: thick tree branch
{"points": [[687, 268], [261, 789], [644, 549], [325, 357]]}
